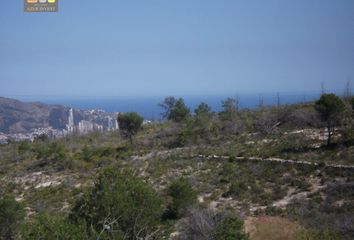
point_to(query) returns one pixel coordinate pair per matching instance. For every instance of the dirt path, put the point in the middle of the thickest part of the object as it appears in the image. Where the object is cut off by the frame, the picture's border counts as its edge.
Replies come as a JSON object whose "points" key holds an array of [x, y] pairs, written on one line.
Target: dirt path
{"points": [[185, 151]]}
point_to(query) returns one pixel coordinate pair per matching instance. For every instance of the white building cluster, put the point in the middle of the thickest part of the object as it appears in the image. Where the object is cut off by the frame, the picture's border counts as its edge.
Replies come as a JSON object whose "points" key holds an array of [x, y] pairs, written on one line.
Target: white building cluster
{"points": [[108, 123]]}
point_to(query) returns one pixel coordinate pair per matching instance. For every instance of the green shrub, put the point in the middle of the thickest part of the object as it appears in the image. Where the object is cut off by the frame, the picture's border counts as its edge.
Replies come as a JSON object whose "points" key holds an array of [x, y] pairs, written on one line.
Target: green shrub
{"points": [[227, 172], [129, 124], [86, 154], [325, 234], [188, 134], [24, 146], [122, 201], [237, 188], [182, 196], [12, 214], [52, 151], [230, 228], [48, 227], [230, 108], [204, 223], [273, 211]]}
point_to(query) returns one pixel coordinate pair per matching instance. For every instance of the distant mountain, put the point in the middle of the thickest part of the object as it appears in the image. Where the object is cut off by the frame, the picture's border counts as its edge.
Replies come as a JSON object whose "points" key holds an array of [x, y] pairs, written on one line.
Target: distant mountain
{"points": [[23, 117]]}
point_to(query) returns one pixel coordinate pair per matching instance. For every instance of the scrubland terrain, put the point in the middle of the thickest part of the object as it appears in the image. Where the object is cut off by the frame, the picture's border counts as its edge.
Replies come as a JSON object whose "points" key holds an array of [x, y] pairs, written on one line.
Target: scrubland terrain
{"points": [[271, 167]]}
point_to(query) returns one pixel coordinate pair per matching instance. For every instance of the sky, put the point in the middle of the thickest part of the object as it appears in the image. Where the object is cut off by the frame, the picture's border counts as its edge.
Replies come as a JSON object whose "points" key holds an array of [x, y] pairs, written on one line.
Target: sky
{"points": [[176, 47]]}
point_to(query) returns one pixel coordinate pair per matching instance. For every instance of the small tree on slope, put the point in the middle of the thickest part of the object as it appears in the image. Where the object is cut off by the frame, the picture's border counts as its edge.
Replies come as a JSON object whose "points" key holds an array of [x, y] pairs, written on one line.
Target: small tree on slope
{"points": [[130, 123], [330, 108]]}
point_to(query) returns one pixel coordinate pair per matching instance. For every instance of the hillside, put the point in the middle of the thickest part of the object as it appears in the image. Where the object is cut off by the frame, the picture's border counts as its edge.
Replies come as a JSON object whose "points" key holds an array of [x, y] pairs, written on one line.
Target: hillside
{"points": [[23, 117], [270, 167]]}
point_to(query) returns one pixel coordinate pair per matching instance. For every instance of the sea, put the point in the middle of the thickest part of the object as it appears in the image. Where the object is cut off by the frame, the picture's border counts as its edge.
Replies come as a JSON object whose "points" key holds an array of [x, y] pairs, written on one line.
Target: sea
{"points": [[149, 107]]}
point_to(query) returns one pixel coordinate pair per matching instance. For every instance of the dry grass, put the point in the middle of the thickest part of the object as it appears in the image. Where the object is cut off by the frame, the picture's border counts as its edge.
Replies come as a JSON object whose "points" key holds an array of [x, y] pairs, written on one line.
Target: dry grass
{"points": [[271, 228]]}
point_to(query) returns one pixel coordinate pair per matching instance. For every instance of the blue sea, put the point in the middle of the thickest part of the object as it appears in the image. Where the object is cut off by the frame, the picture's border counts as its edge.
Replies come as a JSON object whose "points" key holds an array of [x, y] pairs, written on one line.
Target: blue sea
{"points": [[149, 108]]}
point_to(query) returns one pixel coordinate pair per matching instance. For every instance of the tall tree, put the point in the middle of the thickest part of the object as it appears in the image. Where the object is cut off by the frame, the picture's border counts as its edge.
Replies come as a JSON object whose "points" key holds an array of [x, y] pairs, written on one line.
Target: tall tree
{"points": [[175, 109], [202, 109], [230, 107], [180, 111], [330, 107], [167, 105], [130, 123]]}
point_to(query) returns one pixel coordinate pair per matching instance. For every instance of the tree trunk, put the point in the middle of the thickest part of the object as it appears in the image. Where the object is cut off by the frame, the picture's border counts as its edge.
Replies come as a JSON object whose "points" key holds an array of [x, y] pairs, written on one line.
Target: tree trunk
{"points": [[131, 139], [329, 134]]}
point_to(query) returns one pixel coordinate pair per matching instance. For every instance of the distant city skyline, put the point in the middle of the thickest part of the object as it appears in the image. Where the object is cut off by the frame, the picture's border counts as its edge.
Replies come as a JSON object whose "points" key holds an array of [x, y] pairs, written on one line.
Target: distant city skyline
{"points": [[159, 48]]}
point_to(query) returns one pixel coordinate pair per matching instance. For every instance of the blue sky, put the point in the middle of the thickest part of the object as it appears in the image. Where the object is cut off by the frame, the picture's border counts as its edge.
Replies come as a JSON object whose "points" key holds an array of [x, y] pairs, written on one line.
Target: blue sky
{"points": [[176, 47]]}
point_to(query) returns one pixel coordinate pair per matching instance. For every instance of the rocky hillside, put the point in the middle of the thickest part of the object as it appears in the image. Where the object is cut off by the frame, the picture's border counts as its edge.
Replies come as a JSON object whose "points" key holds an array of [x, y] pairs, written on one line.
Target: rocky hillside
{"points": [[267, 172], [23, 117]]}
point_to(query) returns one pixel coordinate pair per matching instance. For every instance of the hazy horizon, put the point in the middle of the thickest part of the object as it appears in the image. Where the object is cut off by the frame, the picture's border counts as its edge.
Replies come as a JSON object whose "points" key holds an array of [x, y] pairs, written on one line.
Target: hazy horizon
{"points": [[148, 106]]}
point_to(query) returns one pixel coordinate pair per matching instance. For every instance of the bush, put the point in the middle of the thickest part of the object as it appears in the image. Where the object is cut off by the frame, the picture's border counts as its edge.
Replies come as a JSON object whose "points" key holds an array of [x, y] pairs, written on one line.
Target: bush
{"points": [[203, 223], [227, 172], [305, 117], [195, 129], [130, 123], [199, 223], [188, 134], [86, 154], [24, 146], [230, 228], [267, 123], [237, 189], [52, 151], [320, 235], [182, 195], [48, 227], [203, 122], [12, 214], [120, 202]]}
